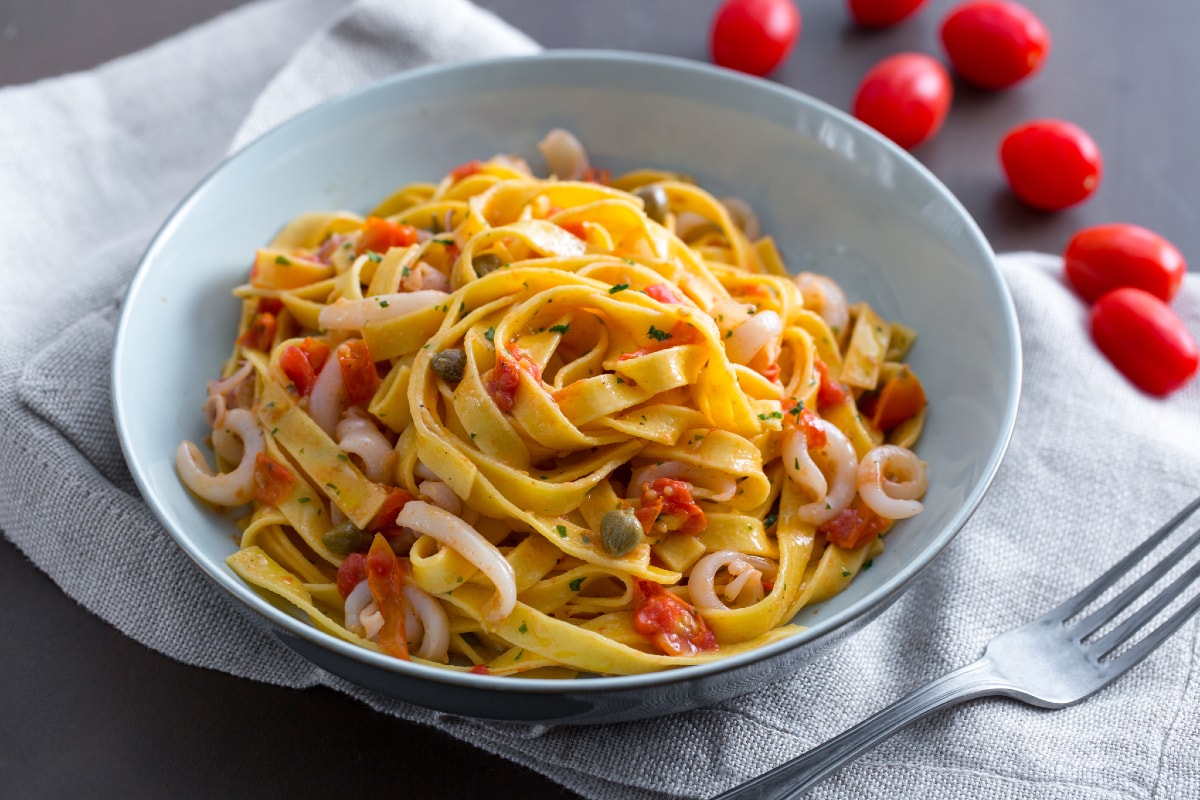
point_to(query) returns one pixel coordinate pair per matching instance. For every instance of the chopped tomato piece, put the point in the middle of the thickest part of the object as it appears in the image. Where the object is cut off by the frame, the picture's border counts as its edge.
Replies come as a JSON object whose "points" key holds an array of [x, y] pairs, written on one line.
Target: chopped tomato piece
{"points": [[385, 517], [575, 228], [830, 393], [480, 669], [466, 170], [269, 305], [380, 235], [670, 501], [814, 435], [358, 371], [600, 176], [272, 480], [796, 416], [260, 334], [853, 527], [680, 333], [899, 400], [302, 364], [672, 623], [505, 378], [351, 573], [770, 371], [662, 293], [385, 575]]}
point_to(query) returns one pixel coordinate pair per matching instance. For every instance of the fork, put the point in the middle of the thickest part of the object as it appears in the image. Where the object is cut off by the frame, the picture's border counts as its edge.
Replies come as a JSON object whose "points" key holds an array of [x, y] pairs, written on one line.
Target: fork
{"points": [[1053, 662]]}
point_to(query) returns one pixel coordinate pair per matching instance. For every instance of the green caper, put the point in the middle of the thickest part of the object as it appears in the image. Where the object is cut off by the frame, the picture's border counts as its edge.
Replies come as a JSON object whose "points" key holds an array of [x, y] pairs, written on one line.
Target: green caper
{"points": [[620, 531], [485, 263], [449, 364], [655, 199], [346, 538]]}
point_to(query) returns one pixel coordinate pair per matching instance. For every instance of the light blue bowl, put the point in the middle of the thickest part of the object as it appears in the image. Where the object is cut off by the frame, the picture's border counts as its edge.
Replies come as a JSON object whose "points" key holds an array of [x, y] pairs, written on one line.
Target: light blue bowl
{"points": [[838, 198]]}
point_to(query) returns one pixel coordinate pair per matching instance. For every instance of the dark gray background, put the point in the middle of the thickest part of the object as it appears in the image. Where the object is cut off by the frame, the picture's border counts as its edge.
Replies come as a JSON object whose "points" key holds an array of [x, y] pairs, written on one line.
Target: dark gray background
{"points": [[85, 711]]}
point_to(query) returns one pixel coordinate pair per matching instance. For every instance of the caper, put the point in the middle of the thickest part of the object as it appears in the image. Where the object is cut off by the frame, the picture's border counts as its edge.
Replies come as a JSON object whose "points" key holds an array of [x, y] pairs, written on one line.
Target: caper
{"points": [[657, 204], [346, 538], [485, 263], [449, 364], [620, 531]]}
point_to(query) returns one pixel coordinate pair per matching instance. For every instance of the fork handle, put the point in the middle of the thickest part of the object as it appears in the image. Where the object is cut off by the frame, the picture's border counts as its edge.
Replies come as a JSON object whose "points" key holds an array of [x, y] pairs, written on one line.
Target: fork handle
{"points": [[794, 777]]}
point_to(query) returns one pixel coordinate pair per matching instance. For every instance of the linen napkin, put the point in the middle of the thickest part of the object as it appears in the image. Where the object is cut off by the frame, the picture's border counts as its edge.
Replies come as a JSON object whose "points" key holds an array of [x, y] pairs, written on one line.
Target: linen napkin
{"points": [[101, 157]]}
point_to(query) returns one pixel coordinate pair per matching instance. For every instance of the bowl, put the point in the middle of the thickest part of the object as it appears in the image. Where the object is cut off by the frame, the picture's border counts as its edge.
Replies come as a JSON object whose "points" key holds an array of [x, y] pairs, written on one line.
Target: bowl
{"points": [[838, 198]]}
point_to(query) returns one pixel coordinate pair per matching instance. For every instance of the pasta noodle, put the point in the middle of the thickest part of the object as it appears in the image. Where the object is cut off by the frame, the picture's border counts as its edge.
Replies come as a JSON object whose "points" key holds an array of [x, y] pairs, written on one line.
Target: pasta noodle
{"points": [[555, 427]]}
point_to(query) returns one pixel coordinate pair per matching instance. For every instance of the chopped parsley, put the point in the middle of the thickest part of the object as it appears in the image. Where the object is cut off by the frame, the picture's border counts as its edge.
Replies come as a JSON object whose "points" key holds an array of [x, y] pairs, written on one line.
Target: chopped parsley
{"points": [[772, 415], [371, 254], [523, 629], [576, 584], [490, 335], [304, 500], [560, 328], [620, 287], [562, 530], [383, 303], [657, 335], [284, 260], [770, 519]]}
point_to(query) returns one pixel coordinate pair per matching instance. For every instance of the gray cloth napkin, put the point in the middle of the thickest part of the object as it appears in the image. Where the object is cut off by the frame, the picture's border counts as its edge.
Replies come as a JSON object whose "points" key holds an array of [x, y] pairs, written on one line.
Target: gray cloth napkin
{"points": [[101, 157]]}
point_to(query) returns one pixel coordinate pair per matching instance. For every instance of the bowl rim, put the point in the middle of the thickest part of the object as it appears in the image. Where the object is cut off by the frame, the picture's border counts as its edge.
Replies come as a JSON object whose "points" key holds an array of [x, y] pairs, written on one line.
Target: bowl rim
{"points": [[876, 599]]}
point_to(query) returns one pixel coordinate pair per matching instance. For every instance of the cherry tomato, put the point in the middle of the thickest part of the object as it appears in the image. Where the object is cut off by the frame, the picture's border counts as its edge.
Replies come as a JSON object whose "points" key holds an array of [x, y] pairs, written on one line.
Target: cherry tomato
{"points": [[853, 527], [1145, 340], [754, 36], [272, 481], [302, 364], [359, 375], [352, 572], [905, 97], [1050, 163], [1106, 257], [672, 623], [380, 235], [881, 13], [994, 43]]}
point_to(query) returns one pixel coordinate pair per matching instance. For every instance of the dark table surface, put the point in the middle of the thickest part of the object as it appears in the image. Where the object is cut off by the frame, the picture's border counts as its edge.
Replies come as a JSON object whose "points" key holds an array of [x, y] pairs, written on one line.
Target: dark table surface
{"points": [[84, 711]]}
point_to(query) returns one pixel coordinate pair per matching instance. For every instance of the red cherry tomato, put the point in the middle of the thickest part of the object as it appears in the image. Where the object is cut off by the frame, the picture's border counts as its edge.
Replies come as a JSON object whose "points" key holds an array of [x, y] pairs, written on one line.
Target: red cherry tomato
{"points": [[1051, 164], [994, 43], [1106, 257], [1145, 340], [754, 36], [905, 97], [881, 13]]}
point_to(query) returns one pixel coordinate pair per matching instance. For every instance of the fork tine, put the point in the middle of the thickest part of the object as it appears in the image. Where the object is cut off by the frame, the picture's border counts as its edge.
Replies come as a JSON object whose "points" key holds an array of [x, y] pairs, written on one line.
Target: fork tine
{"points": [[1097, 587], [1098, 618], [1117, 636], [1143, 648]]}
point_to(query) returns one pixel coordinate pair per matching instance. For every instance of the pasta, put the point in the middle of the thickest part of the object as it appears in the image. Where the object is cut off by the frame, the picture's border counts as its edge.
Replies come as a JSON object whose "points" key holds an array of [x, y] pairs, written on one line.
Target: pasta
{"points": [[555, 427]]}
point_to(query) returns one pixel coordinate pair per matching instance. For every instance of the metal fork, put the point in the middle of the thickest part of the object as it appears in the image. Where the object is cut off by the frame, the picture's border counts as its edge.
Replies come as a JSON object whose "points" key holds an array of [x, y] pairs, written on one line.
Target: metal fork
{"points": [[1052, 662]]}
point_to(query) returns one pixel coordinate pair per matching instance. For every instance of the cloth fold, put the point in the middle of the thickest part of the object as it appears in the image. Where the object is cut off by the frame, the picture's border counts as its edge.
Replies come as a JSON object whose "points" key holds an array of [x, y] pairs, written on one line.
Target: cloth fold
{"points": [[101, 157]]}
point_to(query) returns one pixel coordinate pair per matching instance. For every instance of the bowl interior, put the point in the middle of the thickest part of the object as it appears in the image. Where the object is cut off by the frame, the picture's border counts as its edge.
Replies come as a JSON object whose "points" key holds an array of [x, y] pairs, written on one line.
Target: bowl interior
{"points": [[837, 198]]}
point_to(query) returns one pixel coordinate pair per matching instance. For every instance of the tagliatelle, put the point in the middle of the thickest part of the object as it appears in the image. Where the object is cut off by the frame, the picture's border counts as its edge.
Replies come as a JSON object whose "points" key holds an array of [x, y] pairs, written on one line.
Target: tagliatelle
{"points": [[534, 426]]}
